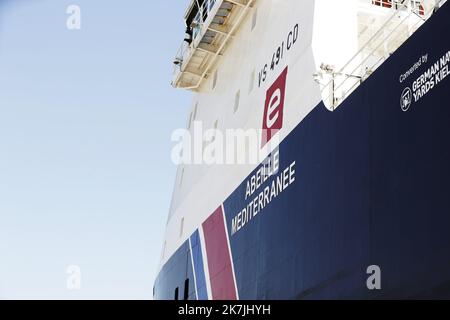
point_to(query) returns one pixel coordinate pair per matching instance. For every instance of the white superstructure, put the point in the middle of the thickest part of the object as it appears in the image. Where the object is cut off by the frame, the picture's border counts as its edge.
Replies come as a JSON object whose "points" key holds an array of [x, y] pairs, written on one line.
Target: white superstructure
{"points": [[235, 49]]}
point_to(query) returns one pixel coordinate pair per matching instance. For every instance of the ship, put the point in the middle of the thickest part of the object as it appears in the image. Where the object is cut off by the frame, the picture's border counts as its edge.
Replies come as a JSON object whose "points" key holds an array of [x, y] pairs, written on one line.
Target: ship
{"points": [[348, 196]]}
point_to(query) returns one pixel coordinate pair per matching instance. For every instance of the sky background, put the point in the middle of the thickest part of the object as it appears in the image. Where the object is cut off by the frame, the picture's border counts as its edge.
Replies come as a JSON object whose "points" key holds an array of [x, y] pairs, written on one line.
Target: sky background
{"points": [[85, 124]]}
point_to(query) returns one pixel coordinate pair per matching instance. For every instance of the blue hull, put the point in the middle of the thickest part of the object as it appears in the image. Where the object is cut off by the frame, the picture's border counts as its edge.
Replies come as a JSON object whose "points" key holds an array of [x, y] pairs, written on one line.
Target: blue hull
{"points": [[372, 187]]}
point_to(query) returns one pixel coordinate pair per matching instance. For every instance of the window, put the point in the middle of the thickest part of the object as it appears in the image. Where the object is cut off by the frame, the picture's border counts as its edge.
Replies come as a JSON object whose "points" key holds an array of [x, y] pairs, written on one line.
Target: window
{"points": [[189, 121], [181, 227], [236, 101], [194, 116], [254, 18], [181, 177], [252, 81], [213, 138], [186, 289], [216, 125], [176, 293], [214, 80]]}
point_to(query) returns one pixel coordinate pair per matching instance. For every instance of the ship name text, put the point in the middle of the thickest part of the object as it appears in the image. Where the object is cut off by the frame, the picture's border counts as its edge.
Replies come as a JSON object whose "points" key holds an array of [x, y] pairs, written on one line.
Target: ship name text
{"points": [[271, 181]]}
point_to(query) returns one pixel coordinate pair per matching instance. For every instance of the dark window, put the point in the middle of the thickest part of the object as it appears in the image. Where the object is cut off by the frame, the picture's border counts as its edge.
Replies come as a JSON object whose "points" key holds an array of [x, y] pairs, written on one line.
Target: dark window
{"points": [[186, 289], [176, 293]]}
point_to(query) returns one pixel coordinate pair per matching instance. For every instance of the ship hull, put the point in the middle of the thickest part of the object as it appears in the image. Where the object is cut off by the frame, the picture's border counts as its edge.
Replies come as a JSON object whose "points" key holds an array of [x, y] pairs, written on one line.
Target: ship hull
{"points": [[368, 186]]}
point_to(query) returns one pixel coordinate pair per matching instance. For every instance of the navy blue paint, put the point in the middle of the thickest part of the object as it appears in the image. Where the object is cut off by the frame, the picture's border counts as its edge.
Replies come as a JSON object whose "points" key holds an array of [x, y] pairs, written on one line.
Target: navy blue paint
{"points": [[372, 187], [176, 271]]}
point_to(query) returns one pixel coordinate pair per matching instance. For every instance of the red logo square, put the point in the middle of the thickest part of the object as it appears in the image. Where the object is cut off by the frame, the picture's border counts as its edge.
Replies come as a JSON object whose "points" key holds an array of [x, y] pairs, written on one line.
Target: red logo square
{"points": [[273, 108]]}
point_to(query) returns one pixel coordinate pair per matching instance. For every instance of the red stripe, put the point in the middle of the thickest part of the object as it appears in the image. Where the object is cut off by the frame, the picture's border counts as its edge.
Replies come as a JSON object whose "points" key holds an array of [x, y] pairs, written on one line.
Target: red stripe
{"points": [[218, 255]]}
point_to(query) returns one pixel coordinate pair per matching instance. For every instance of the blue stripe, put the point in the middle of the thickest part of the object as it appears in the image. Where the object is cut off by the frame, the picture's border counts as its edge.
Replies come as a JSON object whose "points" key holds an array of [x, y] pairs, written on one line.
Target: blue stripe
{"points": [[197, 257]]}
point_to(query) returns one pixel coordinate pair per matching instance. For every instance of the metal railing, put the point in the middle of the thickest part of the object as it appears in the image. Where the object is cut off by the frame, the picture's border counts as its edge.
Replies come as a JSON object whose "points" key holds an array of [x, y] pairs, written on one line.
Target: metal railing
{"points": [[213, 9], [201, 17], [359, 67], [197, 26]]}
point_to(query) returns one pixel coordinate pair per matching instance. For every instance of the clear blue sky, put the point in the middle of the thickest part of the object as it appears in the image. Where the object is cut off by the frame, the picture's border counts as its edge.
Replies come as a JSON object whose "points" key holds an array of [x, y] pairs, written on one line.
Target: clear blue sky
{"points": [[85, 124]]}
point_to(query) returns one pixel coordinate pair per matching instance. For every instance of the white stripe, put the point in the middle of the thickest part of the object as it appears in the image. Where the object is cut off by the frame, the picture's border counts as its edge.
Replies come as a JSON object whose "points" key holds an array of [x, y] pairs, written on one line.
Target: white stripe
{"points": [[193, 269], [205, 262], [229, 250]]}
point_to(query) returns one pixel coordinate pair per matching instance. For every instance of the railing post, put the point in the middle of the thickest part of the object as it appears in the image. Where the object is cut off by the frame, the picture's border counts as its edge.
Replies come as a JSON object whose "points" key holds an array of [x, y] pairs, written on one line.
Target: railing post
{"points": [[333, 91]]}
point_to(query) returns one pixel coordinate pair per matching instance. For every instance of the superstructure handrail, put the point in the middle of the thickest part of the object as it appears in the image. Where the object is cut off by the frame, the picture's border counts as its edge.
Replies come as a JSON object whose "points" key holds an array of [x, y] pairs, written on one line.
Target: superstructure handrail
{"points": [[227, 37], [204, 11], [333, 87], [204, 23]]}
